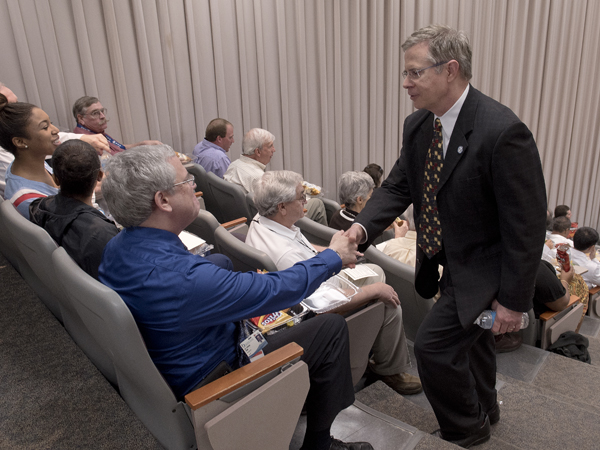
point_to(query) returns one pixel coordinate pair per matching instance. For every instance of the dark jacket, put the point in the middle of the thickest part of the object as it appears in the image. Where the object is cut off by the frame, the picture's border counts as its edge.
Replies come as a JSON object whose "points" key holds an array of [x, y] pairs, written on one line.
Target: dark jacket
{"points": [[82, 230], [491, 200]]}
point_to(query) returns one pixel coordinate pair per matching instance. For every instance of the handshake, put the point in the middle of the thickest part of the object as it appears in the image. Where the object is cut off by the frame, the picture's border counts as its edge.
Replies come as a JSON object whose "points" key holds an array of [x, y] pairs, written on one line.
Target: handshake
{"points": [[345, 244]]}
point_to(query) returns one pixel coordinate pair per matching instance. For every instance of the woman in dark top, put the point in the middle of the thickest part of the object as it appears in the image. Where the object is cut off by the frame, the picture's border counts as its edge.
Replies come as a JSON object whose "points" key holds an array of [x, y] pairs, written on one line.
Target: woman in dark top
{"points": [[355, 190]]}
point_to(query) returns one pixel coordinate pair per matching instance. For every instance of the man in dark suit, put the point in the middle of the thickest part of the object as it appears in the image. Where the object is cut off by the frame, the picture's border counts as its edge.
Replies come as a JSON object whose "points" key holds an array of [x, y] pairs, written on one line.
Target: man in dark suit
{"points": [[481, 216]]}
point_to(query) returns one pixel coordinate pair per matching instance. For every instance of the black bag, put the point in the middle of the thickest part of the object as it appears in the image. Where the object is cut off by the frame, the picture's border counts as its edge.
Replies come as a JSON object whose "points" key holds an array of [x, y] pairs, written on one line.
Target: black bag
{"points": [[572, 345]]}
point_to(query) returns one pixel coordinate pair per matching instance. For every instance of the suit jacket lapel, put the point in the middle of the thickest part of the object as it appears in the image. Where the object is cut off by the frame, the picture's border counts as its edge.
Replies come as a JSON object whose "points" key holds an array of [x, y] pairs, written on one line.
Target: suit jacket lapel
{"points": [[459, 143]]}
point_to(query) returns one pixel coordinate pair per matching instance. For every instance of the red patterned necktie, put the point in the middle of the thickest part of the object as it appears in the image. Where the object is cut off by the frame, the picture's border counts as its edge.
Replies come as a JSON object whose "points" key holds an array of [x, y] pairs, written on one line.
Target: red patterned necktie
{"points": [[430, 228]]}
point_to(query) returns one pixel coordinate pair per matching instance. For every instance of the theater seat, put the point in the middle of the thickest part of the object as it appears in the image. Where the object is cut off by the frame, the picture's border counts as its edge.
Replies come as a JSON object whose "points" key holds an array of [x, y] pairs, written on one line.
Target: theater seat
{"points": [[239, 410], [205, 224], [230, 198], [37, 247], [200, 177]]}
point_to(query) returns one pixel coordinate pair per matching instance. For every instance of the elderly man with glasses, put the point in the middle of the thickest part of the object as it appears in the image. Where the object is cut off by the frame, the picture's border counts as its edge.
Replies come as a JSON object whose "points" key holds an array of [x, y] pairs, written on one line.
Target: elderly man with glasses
{"points": [[187, 308], [92, 118]]}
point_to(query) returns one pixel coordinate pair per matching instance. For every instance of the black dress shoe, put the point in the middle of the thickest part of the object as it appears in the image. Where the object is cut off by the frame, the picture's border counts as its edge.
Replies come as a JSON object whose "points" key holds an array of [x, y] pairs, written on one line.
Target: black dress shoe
{"points": [[494, 414], [481, 436], [339, 445]]}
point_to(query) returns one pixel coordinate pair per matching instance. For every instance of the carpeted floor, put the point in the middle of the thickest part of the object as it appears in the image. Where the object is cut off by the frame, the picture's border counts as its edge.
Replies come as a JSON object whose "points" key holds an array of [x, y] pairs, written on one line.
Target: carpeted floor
{"points": [[51, 395]]}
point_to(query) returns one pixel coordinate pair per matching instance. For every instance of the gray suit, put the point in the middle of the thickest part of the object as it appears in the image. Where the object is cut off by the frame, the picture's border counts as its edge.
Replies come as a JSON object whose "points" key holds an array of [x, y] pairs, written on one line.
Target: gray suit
{"points": [[492, 203]]}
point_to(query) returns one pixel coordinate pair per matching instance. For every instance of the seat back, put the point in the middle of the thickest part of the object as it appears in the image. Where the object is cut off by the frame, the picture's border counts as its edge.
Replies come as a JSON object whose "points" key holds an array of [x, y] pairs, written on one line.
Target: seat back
{"points": [[140, 384], [244, 257], [331, 206], [230, 199], [200, 176], [204, 226], [316, 233], [35, 247], [402, 278], [251, 205], [594, 303], [7, 245]]}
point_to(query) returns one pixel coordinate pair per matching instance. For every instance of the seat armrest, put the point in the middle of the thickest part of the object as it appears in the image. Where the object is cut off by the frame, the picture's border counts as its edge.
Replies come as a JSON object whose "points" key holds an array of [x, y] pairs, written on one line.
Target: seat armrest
{"points": [[234, 223], [198, 194], [551, 314], [594, 290], [242, 376]]}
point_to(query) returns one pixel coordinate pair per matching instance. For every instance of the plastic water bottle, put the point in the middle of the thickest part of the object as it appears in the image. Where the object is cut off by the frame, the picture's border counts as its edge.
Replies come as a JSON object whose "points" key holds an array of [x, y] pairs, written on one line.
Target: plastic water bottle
{"points": [[487, 317]]}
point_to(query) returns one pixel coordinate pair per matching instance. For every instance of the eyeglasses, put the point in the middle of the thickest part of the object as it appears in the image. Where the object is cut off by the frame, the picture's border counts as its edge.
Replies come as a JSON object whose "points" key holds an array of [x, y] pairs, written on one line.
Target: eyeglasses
{"points": [[96, 114], [303, 197], [415, 74], [189, 179]]}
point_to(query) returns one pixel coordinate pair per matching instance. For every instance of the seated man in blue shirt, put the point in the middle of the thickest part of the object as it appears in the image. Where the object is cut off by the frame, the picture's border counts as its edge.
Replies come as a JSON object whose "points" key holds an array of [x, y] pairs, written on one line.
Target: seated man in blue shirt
{"points": [[187, 307], [211, 152]]}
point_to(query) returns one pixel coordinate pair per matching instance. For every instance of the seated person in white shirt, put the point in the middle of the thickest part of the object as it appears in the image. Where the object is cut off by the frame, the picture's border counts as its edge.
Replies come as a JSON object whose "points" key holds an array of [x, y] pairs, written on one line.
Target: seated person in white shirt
{"points": [[561, 227], [584, 254], [279, 197], [257, 150]]}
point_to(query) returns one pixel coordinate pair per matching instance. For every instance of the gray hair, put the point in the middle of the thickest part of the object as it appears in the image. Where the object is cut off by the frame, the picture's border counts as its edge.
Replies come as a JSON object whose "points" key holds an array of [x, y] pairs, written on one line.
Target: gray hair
{"points": [[445, 44], [256, 138], [353, 185], [273, 188], [132, 179], [82, 104], [410, 217]]}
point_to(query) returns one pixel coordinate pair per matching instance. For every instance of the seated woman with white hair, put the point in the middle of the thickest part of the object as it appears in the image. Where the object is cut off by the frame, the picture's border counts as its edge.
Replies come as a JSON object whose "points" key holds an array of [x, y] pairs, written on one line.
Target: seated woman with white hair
{"points": [[279, 198], [355, 189]]}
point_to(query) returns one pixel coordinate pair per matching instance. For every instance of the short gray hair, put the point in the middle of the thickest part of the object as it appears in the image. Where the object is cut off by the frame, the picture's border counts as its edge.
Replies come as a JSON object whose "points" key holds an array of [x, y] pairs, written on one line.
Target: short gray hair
{"points": [[353, 185], [273, 188], [82, 104], [445, 44], [132, 179], [256, 138]]}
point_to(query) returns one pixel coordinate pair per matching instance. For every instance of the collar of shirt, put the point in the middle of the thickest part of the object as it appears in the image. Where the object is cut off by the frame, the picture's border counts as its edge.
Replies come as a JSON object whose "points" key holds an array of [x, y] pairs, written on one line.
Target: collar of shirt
{"points": [[247, 160], [207, 144], [449, 119], [294, 233]]}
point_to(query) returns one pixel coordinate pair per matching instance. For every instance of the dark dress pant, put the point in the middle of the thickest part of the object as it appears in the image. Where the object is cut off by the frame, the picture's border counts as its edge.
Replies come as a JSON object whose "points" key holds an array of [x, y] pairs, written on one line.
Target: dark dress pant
{"points": [[457, 366], [324, 339]]}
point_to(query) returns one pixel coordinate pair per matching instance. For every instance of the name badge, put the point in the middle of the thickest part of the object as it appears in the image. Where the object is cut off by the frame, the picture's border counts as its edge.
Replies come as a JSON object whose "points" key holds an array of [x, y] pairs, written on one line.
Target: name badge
{"points": [[253, 345]]}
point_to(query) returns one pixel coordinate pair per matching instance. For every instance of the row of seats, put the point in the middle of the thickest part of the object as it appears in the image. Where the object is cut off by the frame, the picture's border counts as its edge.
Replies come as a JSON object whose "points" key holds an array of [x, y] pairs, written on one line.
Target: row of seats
{"points": [[227, 413]]}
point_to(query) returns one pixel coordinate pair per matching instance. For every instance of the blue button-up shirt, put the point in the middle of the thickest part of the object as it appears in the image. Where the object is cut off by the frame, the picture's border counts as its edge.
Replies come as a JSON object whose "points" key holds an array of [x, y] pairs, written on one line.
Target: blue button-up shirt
{"points": [[185, 306], [212, 157]]}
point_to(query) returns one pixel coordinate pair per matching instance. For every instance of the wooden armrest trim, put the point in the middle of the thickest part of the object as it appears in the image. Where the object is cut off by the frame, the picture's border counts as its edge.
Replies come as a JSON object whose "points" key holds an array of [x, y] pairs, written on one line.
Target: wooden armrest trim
{"points": [[242, 376], [594, 290], [234, 223], [198, 194], [550, 314]]}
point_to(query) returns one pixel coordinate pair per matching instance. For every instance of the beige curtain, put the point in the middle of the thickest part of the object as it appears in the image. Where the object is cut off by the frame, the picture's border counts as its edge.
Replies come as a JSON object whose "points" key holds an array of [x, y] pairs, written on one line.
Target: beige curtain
{"points": [[322, 75]]}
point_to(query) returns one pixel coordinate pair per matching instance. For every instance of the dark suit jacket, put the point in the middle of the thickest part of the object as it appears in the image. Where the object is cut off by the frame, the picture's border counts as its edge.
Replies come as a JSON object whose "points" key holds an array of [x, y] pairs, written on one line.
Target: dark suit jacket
{"points": [[491, 201]]}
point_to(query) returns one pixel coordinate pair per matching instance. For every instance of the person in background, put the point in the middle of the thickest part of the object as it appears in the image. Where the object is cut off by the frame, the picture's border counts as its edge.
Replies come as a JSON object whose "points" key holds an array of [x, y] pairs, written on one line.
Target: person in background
{"points": [[375, 172], [27, 133], [211, 152], [561, 228], [584, 255], [69, 217], [562, 210], [97, 140], [257, 150], [187, 308], [92, 118], [355, 189]]}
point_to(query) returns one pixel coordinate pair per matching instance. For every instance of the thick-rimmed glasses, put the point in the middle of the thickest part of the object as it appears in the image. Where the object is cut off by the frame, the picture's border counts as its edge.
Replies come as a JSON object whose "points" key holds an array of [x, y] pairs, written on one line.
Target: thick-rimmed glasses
{"points": [[415, 74], [189, 179], [96, 114]]}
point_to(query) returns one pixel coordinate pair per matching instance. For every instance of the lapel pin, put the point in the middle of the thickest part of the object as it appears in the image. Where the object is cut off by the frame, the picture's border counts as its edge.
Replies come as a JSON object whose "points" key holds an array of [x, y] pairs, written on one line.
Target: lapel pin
{"points": [[460, 150]]}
